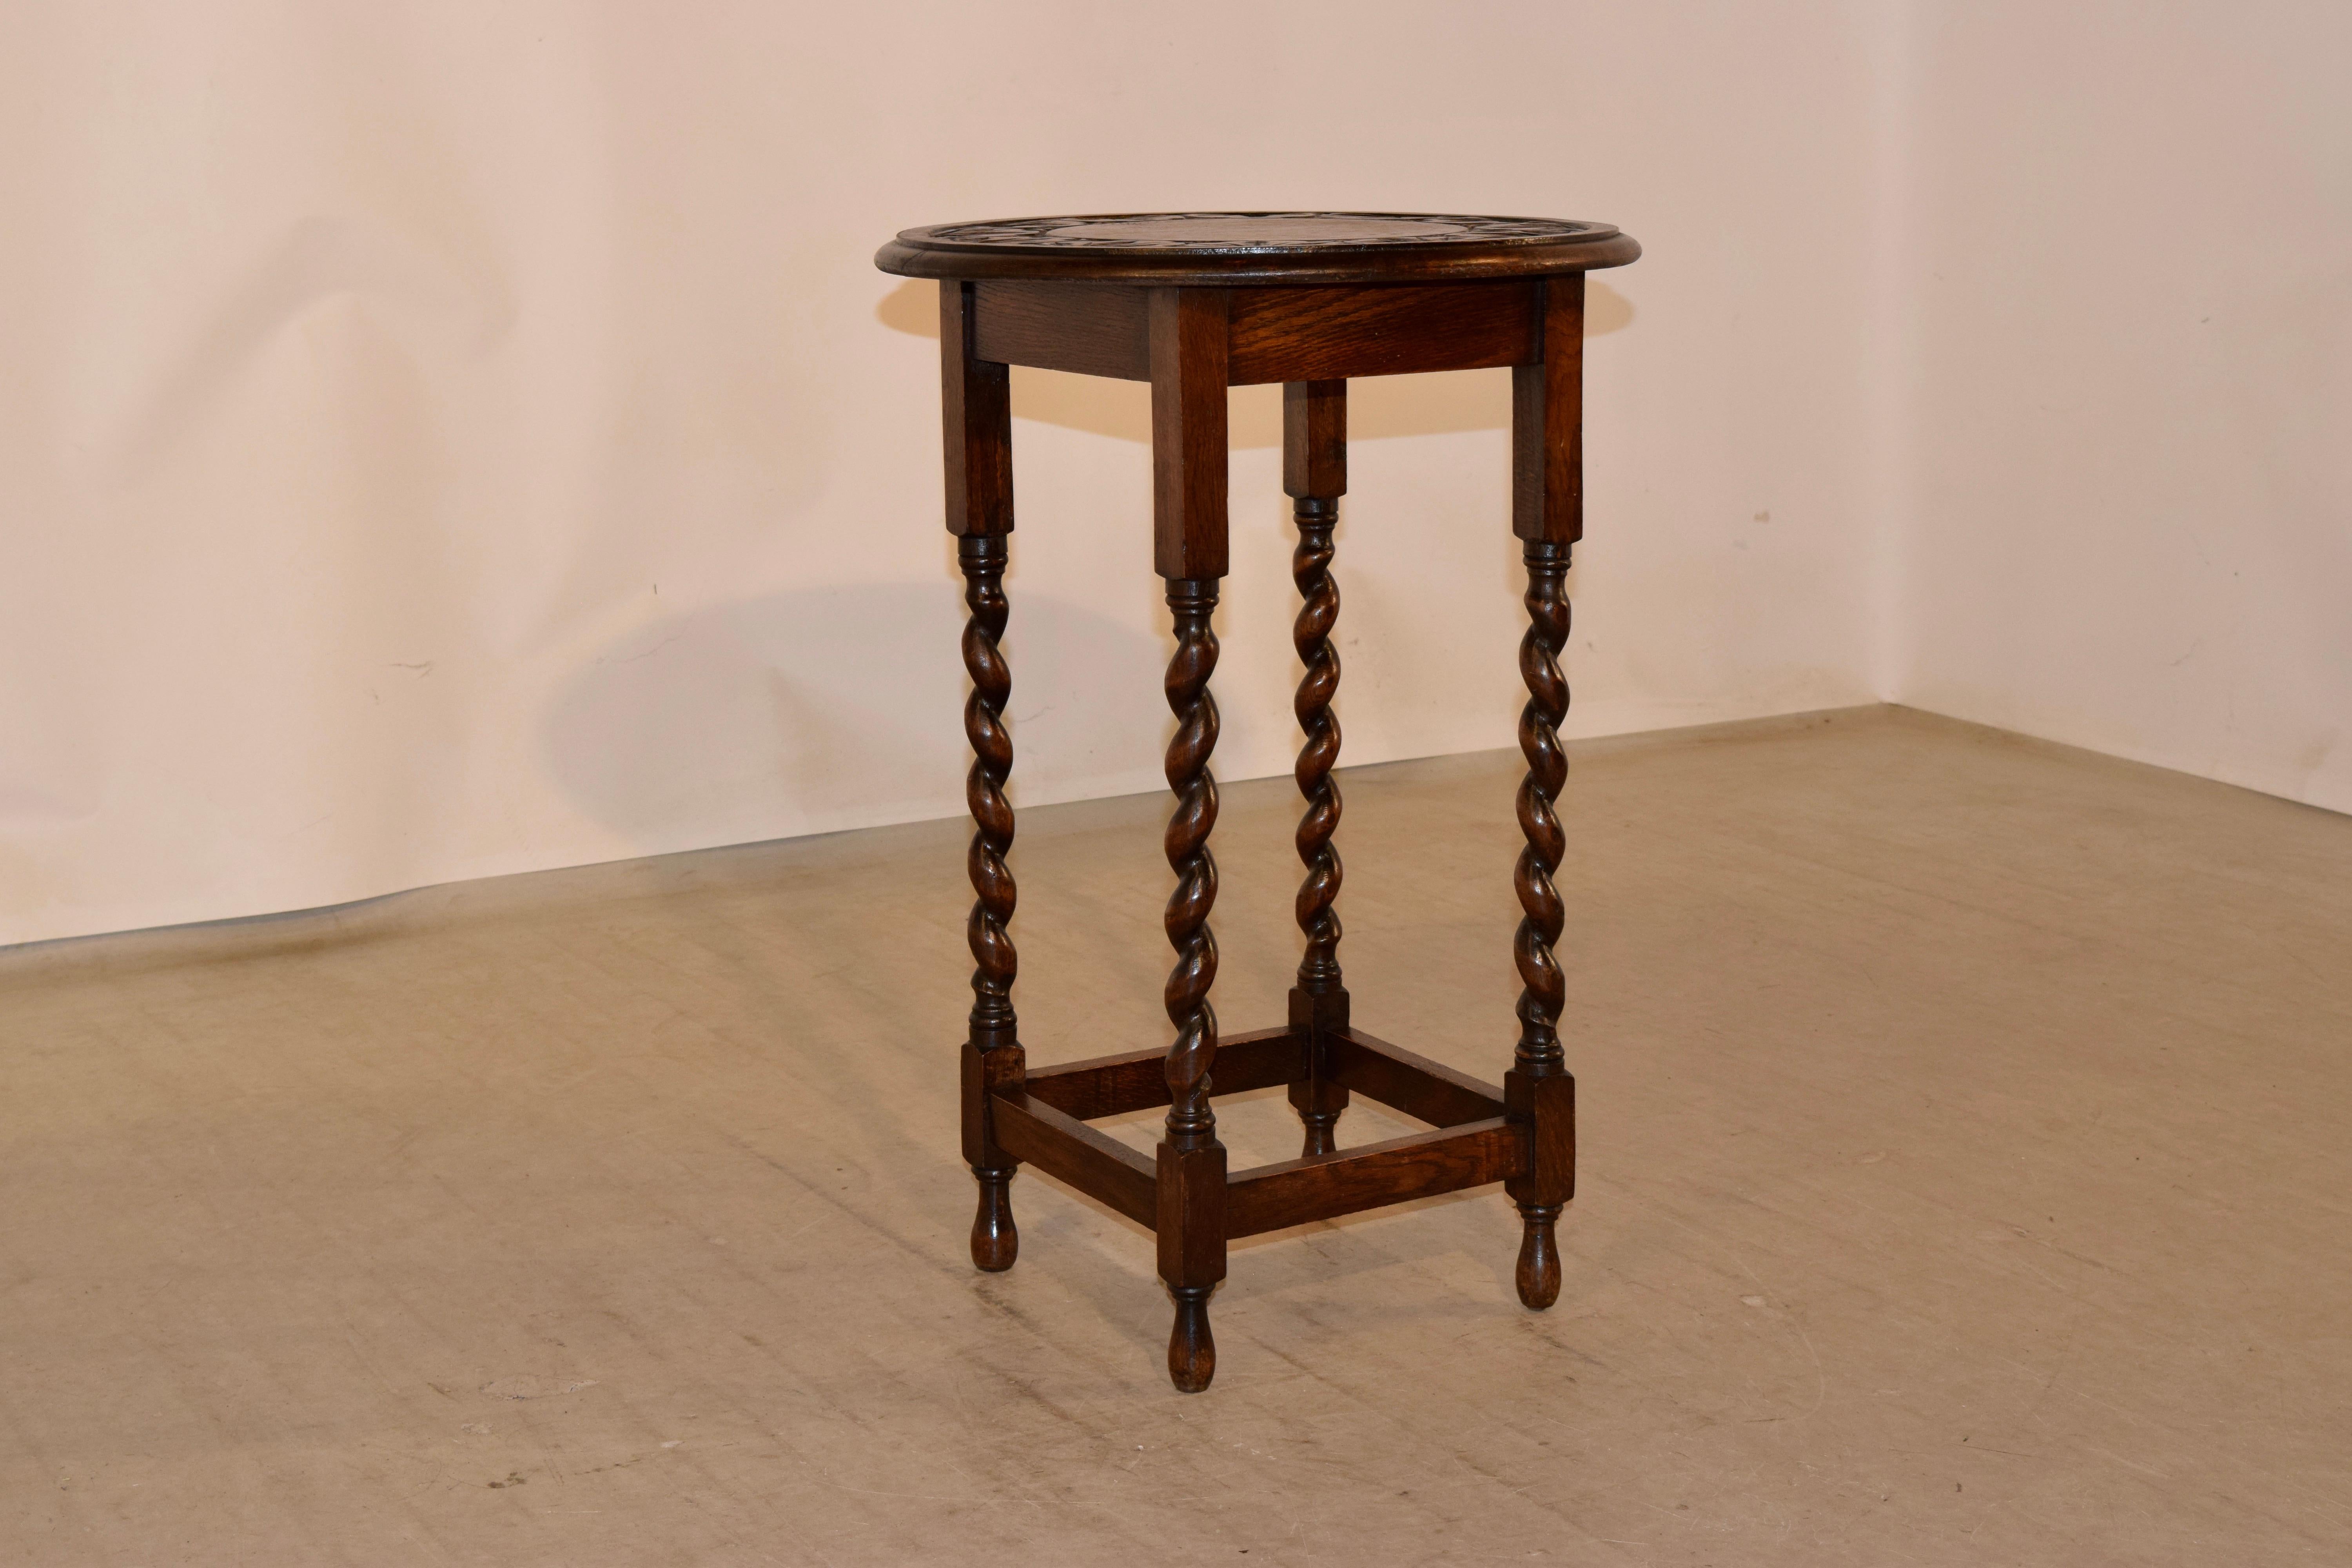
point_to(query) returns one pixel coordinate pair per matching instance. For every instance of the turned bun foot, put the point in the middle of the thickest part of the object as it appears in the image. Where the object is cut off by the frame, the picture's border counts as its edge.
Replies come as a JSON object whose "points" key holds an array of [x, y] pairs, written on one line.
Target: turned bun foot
{"points": [[995, 1242], [1191, 1353], [1538, 1274], [1320, 1133]]}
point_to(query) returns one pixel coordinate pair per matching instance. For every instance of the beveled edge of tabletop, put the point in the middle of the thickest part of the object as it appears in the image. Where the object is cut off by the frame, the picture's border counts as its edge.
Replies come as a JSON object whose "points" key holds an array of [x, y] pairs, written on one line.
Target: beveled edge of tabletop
{"points": [[917, 253]]}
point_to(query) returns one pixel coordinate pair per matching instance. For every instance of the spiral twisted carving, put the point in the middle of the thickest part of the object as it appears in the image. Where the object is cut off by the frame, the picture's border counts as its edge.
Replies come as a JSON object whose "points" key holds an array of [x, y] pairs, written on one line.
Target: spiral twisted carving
{"points": [[983, 560], [1310, 568], [1189, 1121], [1544, 989]]}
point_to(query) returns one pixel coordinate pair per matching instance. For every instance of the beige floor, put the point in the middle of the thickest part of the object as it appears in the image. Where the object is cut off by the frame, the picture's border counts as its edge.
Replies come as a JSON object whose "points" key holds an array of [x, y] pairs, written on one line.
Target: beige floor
{"points": [[1966, 1180]]}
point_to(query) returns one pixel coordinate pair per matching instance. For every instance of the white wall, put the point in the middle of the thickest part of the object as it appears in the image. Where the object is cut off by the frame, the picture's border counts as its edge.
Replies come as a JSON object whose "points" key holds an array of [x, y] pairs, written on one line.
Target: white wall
{"points": [[2124, 358], [438, 440]]}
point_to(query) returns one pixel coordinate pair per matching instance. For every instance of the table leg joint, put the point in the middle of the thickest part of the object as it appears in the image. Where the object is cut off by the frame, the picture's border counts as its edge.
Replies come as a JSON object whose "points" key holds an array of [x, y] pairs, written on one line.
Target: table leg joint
{"points": [[1479, 1133], [1039, 1134], [1399, 1079], [1136, 1080]]}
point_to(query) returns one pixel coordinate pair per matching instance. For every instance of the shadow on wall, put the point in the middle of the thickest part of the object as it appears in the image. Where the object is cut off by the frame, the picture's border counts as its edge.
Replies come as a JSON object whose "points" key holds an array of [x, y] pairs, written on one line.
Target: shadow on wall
{"points": [[777, 715], [814, 709], [1376, 405]]}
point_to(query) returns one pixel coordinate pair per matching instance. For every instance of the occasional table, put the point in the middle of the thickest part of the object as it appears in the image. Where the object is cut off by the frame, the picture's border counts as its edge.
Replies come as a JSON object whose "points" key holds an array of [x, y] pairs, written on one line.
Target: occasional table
{"points": [[1194, 303]]}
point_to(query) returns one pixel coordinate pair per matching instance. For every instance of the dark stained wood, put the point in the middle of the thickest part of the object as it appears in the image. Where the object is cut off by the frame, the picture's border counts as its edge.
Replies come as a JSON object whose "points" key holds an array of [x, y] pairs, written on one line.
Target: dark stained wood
{"points": [[1418, 1166], [1192, 1163], [1190, 1122], [1194, 303], [1130, 1081], [1091, 329], [1191, 1235], [1548, 1105], [1319, 1098], [1315, 473], [1250, 233], [1296, 334], [995, 1240], [976, 410], [1320, 334], [983, 559], [1547, 422], [1314, 445], [1063, 1147], [992, 1054], [985, 1071], [1421, 1088], [1536, 1274], [1201, 249], [1544, 1108], [1318, 891], [1188, 433], [1543, 988], [1192, 1352], [1541, 1093]]}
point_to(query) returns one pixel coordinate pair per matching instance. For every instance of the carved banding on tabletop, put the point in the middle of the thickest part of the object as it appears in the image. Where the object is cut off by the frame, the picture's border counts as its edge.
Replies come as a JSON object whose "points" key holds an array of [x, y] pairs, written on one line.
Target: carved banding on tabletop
{"points": [[1250, 246]]}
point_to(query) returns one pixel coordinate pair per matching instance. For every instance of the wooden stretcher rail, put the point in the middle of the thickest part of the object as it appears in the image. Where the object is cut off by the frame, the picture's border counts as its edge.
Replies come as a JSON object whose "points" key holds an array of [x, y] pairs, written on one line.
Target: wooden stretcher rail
{"points": [[1415, 1085], [1138, 1080], [1060, 1145], [1419, 1165]]}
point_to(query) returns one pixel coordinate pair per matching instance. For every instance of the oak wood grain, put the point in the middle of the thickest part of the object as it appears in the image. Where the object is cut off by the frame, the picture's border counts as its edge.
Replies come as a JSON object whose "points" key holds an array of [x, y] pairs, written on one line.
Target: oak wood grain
{"points": [[1314, 443], [1413, 1084], [1089, 329], [1130, 1081], [1418, 1166], [1547, 421], [1194, 303], [1067, 1148], [976, 414], [1188, 433], [1547, 1106], [1333, 333]]}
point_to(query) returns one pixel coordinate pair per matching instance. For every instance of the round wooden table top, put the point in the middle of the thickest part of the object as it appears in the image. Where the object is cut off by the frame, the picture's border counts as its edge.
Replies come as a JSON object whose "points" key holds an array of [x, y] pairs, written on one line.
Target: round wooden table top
{"points": [[1179, 248]]}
